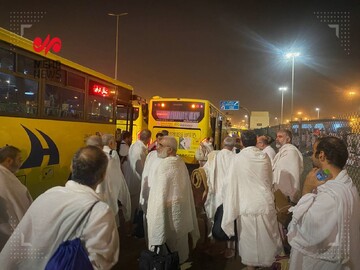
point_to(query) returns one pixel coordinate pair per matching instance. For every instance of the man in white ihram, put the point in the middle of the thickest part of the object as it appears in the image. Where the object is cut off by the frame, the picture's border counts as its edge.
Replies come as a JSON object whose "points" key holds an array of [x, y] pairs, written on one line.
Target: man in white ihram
{"points": [[217, 169], [249, 200], [171, 211], [324, 232], [137, 156], [14, 196], [287, 166], [114, 188], [54, 217]]}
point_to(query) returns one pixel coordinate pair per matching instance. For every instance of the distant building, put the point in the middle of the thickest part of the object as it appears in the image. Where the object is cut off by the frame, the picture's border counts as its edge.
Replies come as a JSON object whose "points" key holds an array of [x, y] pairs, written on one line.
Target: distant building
{"points": [[259, 119]]}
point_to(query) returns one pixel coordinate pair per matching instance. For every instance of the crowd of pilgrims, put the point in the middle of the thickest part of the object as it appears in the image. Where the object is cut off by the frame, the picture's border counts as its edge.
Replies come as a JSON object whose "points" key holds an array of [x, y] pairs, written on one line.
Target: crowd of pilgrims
{"points": [[267, 212]]}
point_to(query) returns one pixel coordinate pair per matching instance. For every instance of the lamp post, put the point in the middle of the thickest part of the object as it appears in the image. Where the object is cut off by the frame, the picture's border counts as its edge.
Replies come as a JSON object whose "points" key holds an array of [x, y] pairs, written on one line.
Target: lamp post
{"points": [[318, 112], [292, 55], [282, 89], [117, 38]]}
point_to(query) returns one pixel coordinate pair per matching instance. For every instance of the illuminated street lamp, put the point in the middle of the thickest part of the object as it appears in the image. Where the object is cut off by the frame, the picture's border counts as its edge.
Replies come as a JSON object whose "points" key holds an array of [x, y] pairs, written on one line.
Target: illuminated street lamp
{"points": [[117, 38], [292, 55], [318, 112], [282, 89]]}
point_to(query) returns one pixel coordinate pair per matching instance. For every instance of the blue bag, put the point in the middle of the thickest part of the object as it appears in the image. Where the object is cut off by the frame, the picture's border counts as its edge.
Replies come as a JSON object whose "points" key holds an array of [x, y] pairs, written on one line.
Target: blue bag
{"points": [[71, 255]]}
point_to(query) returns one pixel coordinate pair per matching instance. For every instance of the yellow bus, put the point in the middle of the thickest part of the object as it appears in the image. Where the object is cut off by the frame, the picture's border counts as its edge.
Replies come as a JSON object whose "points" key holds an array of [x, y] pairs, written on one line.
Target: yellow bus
{"points": [[139, 113], [190, 121], [49, 106]]}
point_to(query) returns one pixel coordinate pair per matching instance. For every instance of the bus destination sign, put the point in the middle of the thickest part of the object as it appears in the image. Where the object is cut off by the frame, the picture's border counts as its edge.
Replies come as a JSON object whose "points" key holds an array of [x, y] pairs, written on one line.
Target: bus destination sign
{"points": [[229, 105]]}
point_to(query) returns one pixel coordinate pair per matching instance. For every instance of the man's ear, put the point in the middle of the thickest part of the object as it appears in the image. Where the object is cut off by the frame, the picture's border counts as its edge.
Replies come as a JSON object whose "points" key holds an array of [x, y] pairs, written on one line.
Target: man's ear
{"points": [[322, 156], [287, 139]]}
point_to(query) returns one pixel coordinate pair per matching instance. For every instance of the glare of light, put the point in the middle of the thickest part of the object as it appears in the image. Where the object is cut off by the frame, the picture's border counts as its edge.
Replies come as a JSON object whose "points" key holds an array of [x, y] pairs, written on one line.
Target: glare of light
{"points": [[306, 118], [193, 106], [317, 109], [29, 93], [333, 117], [287, 120], [276, 118], [282, 88], [107, 108], [299, 113], [163, 105], [292, 54], [99, 104], [8, 81], [352, 93], [246, 116], [76, 97]]}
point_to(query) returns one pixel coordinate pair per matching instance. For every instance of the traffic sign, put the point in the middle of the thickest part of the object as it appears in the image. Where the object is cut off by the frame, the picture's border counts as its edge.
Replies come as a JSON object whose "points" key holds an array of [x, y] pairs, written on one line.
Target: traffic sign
{"points": [[229, 105]]}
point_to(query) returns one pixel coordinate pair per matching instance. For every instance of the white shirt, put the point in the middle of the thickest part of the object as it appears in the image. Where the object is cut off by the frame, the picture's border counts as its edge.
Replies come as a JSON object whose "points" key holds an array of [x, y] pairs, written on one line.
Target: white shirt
{"points": [[137, 156], [270, 152], [287, 169], [114, 187], [53, 218], [216, 169], [14, 202], [171, 211], [325, 229]]}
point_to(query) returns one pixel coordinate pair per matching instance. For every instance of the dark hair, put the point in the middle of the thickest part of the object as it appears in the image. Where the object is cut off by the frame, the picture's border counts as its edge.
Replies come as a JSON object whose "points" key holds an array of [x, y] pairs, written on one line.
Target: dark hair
{"points": [[165, 132], [334, 149], [145, 134], [89, 165], [8, 152], [125, 135], [269, 139], [159, 134], [248, 138]]}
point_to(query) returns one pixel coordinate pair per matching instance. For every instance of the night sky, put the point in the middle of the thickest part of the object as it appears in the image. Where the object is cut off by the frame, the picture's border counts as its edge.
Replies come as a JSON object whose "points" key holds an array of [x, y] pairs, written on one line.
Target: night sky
{"points": [[217, 50]]}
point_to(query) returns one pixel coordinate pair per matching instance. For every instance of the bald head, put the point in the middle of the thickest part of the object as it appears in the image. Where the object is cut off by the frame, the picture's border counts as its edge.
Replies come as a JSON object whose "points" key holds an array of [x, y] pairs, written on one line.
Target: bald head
{"points": [[89, 166], [94, 140]]}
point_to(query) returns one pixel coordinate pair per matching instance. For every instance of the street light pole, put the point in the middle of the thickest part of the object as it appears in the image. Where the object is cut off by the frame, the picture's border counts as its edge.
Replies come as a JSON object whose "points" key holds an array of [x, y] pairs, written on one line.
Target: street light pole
{"points": [[117, 39], [292, 55], [318, 112], [282, 89]]}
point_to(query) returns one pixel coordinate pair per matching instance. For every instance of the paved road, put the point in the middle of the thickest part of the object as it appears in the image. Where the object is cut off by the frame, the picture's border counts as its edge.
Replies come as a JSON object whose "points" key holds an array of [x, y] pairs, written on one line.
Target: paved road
{"points": [[200, 259]]}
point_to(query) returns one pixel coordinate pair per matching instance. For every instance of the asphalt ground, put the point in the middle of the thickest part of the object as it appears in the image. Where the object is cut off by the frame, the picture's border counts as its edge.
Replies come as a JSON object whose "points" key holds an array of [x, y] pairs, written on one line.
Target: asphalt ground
{"points": [[207, 255]]}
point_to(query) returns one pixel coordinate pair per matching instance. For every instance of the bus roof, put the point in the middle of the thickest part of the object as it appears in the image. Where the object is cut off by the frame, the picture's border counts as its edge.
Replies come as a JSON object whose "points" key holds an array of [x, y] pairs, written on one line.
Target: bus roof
{"points": [[27, 45]]}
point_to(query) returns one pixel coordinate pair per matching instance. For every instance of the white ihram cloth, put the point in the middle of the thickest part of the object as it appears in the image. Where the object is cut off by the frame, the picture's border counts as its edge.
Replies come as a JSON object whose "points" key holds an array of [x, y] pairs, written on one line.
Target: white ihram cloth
{"points": [[216, 169], [287, 169], [137, 156], [171, 211], [270, 152], [14, 201], [125, 166], [250, 201], [114, 187], [324, 232], [148, 176], [52, 218]]}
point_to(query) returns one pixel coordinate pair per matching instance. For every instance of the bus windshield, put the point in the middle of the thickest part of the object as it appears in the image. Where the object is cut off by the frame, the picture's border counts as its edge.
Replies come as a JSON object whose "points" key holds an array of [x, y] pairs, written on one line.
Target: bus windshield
{"points": [[178, 111]]}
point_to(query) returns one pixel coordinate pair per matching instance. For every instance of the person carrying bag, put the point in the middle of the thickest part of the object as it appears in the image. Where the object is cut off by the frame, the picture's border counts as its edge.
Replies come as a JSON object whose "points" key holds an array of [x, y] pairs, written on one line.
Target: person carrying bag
{"points": [[157, 260], [71, 255]]}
